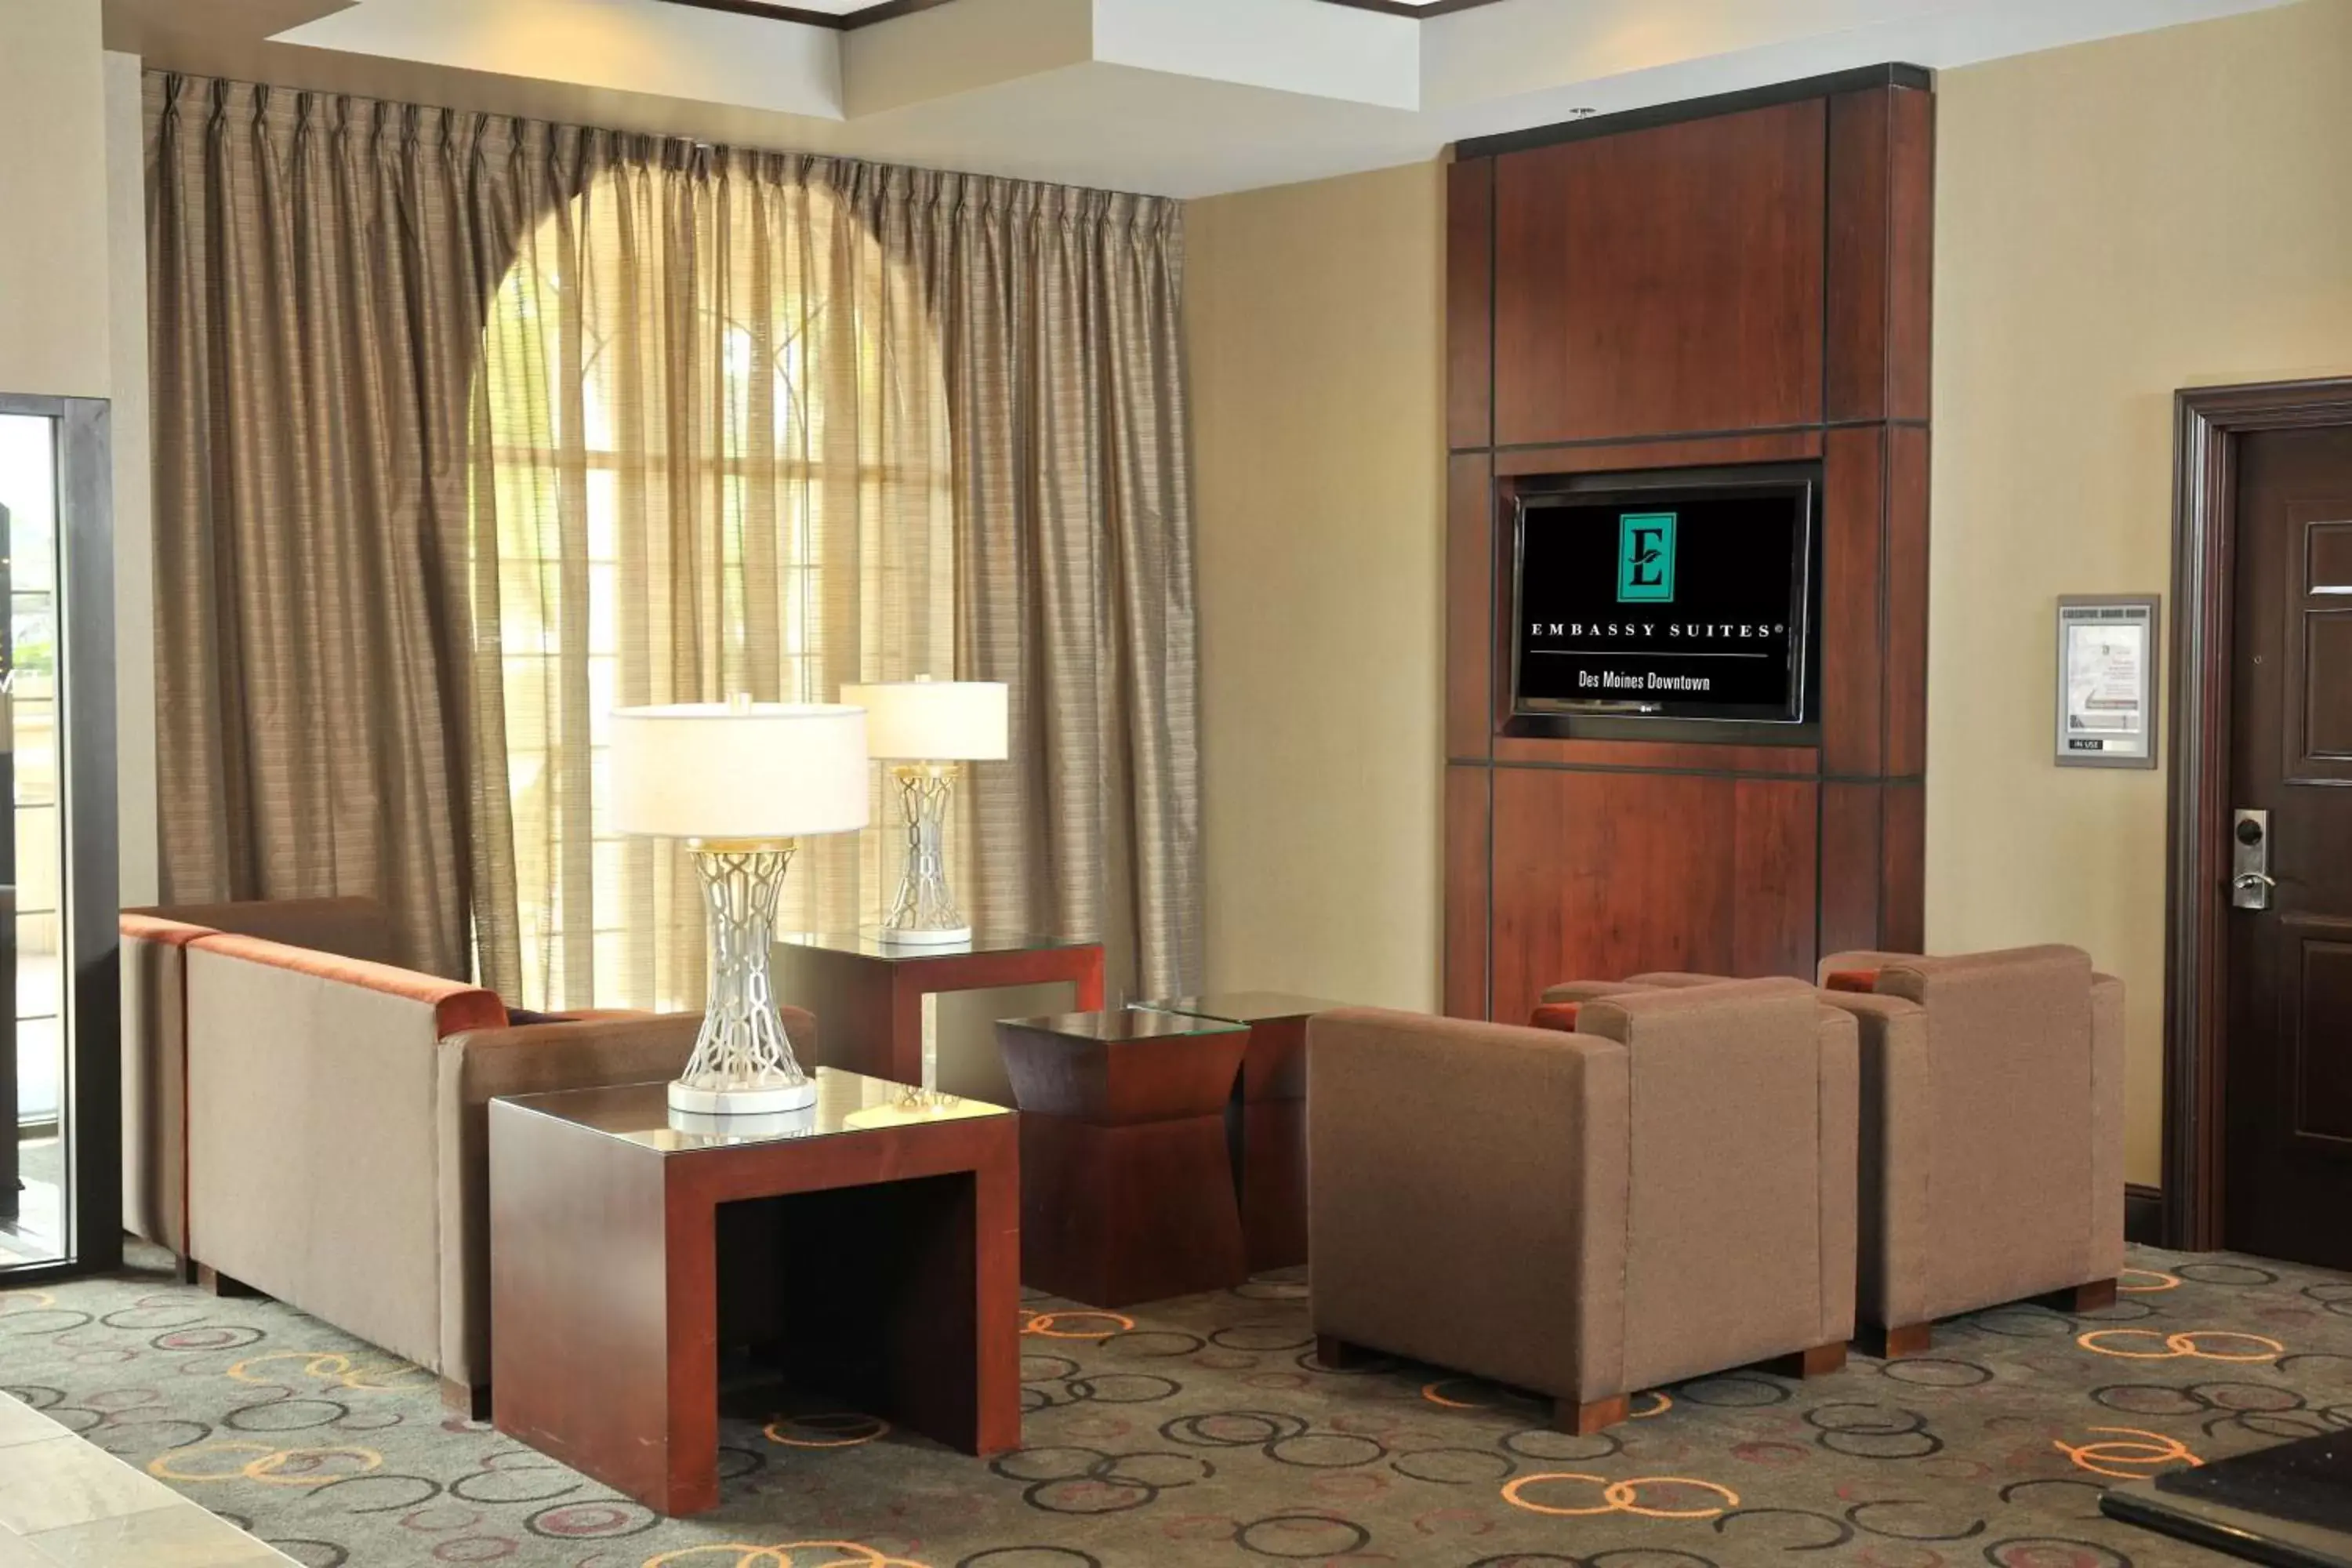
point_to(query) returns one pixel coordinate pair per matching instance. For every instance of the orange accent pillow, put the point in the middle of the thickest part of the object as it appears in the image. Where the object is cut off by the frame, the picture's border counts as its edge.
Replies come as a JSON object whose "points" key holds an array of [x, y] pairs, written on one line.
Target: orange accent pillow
{"points": [[1862, 980], [1560, 1015]]}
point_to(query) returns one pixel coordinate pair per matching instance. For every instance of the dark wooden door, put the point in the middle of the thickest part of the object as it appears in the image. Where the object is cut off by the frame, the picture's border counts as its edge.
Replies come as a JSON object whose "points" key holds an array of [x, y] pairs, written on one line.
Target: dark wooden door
{"points": [[2288, 1143]]}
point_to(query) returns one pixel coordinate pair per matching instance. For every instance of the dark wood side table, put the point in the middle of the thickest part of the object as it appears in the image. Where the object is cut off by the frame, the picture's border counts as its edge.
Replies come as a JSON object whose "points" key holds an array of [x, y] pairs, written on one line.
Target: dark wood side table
{"points": [[865, 1248], [868, 995], [1126, 1191], [1269, 1143]]}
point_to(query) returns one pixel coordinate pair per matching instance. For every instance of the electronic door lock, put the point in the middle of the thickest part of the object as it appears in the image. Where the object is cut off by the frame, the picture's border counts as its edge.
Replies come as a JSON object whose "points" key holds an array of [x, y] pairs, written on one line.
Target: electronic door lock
{"points": [[2249, 852]]}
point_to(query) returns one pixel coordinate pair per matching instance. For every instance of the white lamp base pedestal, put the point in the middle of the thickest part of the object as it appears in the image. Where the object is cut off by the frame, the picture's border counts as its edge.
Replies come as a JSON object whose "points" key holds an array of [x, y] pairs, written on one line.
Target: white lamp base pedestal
{"points": [[906, 936], [742, 1063], [758, 1101]]}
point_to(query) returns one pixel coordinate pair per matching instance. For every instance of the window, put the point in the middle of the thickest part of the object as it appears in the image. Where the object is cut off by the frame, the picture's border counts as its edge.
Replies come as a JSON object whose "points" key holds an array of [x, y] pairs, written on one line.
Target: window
{"points": [[710, 467]]}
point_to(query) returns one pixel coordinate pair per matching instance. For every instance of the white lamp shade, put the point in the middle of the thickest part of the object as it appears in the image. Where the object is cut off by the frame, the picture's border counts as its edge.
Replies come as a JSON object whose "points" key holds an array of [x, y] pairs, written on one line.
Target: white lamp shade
{"points": [[760, 771], [934, 720]]}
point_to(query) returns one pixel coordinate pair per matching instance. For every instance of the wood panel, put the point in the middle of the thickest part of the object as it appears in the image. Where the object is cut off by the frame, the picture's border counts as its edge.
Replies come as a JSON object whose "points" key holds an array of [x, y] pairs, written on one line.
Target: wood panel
{"points": [[1902, 896], [1732, 283], [1911, 245], [1470, 606], [1468, 856], [1881, 237], [1905, 571], [1658, 755], [1853, 868], [1609, 873], [1852, 625], [1776, 853], [1854, 367], [1673, 452], [1470, 303], [1663, 281]]}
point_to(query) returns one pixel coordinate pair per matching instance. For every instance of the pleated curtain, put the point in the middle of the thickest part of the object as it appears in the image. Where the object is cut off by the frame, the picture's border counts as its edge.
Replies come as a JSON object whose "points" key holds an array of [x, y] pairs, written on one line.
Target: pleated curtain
{"points": [[470, 429]]}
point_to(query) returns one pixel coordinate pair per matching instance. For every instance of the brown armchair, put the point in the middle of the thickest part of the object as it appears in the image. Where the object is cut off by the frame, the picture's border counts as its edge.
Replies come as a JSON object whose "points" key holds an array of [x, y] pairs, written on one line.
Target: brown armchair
{"points": [[1665, 1191], [1992, 1132], [1991, 1161]]}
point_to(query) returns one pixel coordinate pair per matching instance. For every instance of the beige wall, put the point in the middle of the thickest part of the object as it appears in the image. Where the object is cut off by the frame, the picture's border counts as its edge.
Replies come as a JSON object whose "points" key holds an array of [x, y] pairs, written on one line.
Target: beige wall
{"points": [[1314, 332], [53, 278], [2114, 221], [73, 317]]}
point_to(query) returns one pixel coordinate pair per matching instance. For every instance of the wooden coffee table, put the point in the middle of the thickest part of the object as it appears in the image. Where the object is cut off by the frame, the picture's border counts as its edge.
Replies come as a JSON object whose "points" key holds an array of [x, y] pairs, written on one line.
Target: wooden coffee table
{"points": [[1270, 1103], [1127, 1189], [625, 1253]]}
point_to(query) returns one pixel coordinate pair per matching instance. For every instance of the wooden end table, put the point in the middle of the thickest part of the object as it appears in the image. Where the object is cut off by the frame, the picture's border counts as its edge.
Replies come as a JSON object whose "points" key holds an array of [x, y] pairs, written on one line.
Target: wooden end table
{"points": [[624, 1253], [868, 993], [1126, 1190], [1270, 1104]]}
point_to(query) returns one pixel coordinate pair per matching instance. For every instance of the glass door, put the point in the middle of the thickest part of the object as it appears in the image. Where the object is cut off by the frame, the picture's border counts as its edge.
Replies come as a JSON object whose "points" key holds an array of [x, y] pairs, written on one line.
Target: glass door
{"points": [[60, 1204]]}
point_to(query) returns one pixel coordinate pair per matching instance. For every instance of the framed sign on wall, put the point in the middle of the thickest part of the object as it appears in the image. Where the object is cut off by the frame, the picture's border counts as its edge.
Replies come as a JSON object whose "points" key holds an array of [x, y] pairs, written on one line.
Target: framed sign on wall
{"points": [[2108, 650]]}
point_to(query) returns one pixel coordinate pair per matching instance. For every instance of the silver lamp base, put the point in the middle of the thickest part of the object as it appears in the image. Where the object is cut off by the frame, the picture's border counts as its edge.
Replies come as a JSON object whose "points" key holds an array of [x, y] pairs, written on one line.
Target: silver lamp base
{"points": [[742, 1063], [924, 912]]}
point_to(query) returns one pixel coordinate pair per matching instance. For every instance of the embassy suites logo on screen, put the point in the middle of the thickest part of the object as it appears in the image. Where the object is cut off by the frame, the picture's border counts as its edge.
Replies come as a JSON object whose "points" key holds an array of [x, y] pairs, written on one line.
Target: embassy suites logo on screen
{"points": [[1645, 558]]}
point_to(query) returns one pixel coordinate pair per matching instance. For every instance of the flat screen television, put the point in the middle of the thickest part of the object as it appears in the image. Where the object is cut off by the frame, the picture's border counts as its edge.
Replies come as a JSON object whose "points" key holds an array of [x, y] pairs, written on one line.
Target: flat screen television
{"points": [[1693, 601]]}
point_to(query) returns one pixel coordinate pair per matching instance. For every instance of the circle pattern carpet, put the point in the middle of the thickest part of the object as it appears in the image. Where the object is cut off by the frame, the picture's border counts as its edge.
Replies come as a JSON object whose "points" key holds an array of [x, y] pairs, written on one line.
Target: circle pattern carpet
{"points": [[1203, 1431]]}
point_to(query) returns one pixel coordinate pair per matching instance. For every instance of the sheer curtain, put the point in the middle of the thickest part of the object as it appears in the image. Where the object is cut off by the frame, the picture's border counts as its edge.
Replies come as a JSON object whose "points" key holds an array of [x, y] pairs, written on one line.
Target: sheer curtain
{"points": [[762, 423], [712, 457]]}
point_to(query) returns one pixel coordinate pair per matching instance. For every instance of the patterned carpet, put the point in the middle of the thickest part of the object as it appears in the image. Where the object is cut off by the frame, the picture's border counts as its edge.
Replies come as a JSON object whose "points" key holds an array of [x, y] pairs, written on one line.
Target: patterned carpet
{"points": [[1202, 1432]]}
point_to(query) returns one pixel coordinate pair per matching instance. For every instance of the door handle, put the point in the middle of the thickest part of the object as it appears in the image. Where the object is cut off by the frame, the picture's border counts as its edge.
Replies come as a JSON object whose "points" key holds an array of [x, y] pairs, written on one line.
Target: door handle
{"points": [[2251, 883]]}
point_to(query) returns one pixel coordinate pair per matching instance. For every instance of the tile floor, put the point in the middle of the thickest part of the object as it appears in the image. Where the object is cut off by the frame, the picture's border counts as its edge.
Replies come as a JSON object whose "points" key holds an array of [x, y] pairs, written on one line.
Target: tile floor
{"points": [[65, 1503]]}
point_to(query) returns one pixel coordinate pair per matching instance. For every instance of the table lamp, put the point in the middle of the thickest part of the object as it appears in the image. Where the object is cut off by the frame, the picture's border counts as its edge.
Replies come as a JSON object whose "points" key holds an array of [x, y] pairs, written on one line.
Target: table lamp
{"points": [[928, 728], [739, 782]]}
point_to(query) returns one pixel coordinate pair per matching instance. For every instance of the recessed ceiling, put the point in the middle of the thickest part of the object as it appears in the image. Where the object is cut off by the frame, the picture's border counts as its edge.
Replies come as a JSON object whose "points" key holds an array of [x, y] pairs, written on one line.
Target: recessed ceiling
{"points": [[1181, 97], [849, 13]]}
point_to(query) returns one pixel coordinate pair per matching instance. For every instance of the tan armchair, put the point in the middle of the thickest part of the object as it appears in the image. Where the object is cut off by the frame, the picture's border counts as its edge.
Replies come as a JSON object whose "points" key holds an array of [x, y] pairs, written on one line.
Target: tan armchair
{"points": [[1992, 1132], [155, 1031], [338, 1135], [1666, 1192]]}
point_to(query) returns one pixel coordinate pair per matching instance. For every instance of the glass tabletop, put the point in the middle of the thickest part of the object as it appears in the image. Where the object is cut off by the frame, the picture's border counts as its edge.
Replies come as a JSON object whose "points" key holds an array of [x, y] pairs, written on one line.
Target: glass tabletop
{"points": [[1133, 1023], [1243, 1006], [870, 944], [846, 1103]]}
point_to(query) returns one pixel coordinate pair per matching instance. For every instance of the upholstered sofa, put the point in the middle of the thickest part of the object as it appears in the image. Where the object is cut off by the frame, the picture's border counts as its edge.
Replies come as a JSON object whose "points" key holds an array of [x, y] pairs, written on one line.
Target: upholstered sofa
{"points": [[1991, 1129], [336, 1129], [1666, 1191], [155, 1031]]}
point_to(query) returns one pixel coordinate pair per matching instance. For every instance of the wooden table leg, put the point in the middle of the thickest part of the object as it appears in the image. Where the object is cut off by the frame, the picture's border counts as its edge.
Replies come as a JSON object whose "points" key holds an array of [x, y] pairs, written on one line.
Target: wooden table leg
{"points": [[997, 1280], [1089, 980], [617, 1374]]}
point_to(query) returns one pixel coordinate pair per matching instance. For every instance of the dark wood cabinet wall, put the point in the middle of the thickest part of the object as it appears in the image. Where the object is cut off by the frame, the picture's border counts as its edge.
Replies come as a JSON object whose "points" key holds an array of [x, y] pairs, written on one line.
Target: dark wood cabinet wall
{"points": [[1735, 280]]}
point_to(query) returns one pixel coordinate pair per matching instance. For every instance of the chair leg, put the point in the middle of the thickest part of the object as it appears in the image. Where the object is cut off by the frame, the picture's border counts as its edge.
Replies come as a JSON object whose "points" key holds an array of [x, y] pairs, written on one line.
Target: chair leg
{"points": [[2088, 1297], [1887, 1343], [220, 1284], [1816, 1361], [1339, 1356], [469, 1401], [1584, 1420]]}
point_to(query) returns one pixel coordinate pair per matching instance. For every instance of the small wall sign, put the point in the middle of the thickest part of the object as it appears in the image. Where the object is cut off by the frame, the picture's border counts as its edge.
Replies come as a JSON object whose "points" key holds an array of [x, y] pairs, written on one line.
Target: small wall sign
{"points": [[2108, 649]]}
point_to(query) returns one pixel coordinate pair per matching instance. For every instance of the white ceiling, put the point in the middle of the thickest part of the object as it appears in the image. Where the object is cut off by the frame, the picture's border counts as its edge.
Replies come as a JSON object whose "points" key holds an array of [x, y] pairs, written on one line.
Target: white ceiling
{"points": [[1181, 97]]}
